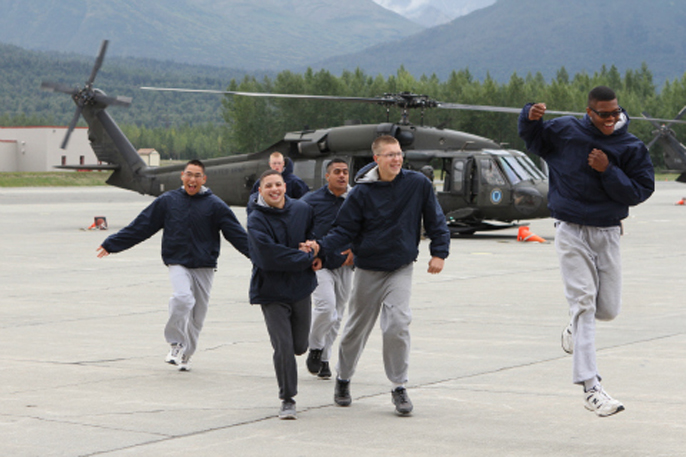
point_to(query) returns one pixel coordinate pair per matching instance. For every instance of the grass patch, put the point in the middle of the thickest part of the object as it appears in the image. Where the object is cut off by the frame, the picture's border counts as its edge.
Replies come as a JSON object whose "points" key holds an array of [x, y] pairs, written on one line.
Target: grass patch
{"points": [[53, 179], [98, 178]]}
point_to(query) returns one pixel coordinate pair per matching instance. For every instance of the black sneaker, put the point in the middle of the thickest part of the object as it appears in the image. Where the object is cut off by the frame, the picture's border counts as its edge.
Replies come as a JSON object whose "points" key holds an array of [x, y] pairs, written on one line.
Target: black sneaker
{"points": [[324, 371], [341, 394], [314, 361], [403, 405]]}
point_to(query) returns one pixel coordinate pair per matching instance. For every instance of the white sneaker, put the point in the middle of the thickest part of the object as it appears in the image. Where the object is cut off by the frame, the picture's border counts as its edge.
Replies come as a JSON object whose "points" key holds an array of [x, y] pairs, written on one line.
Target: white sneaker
{"points": [[598, 401], [185, 364], [175, 355], [568, 339]]}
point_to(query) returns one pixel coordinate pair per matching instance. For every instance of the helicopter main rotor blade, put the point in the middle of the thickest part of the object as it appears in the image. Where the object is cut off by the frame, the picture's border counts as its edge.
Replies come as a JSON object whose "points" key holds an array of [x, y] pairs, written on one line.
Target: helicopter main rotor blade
{"points": [[269, 95], [678, 116], [402, 100], [98, 62], [498, 109], [647, 117]]}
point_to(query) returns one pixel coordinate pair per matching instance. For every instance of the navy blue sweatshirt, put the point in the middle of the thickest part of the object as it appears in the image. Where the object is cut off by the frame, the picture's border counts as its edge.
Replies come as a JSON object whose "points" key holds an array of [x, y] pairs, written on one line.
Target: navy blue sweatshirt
{"points": [[191, 229], [326, 205], [281, 272], [383, 221], [578, 193]]}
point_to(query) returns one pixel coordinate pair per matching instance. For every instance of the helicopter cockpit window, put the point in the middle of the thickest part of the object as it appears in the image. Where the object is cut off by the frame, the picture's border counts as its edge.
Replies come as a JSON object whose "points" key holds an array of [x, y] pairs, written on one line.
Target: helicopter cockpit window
{"points": [[457, 175], [530, 167], [514, 170], [490, 173]]}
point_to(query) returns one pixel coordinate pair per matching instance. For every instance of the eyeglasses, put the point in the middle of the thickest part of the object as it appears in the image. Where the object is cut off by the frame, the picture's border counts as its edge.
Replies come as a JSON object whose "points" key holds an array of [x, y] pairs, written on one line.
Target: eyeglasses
{"points": [[606, 114], [392, 155], [193, 175]]}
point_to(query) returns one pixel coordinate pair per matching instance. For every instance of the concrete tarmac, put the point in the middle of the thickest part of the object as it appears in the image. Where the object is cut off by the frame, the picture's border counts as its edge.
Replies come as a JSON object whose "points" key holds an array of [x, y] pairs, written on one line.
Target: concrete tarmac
{"points": [[82, 349]]}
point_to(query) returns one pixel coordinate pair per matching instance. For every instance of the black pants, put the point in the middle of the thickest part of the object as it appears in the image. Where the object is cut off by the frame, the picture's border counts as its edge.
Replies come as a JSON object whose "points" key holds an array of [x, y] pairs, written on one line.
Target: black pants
{"points": [[288, 325]]}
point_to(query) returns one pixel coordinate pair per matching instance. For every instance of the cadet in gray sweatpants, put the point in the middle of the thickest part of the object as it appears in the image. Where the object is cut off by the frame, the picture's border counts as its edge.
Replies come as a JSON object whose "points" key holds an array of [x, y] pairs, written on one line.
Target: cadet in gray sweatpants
{"points": [[597, 171], [382, 217]]}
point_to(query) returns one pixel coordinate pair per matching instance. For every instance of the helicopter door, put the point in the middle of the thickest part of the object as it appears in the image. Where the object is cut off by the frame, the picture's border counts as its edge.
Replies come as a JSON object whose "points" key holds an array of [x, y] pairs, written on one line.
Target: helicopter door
{"points": [[494, 189]]}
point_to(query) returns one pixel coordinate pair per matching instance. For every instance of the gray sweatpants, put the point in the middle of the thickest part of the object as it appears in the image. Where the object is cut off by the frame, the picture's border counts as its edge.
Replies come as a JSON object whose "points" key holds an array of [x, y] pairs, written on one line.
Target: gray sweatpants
{"points": [[590, 264], [188, 305], [387, 292], [329, 299]]}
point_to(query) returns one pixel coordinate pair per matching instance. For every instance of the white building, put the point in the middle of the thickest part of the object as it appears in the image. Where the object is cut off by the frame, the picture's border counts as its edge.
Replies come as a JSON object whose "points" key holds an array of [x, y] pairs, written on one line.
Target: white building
{"points": [[150, 156], [38, 148]]}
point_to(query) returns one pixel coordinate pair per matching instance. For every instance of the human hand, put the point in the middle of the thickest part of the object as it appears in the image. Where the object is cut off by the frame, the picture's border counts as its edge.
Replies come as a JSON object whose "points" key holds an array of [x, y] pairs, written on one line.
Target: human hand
{"points": [[317, 264], [313, 245], [537, 111], [598, 160], [305, 247], [436, 265], [102, 252], [350, 259]]}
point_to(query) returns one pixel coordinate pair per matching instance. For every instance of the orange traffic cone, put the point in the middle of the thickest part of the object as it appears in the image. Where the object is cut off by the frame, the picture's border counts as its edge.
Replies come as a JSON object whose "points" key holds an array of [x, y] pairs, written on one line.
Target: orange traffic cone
{"points": [[525, 235], [680, 202]]}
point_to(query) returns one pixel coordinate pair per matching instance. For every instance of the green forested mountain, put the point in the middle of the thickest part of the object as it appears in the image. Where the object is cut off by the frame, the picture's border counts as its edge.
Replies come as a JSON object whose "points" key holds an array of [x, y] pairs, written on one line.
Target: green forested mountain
{"points": [[247, 34], [530, 36]]}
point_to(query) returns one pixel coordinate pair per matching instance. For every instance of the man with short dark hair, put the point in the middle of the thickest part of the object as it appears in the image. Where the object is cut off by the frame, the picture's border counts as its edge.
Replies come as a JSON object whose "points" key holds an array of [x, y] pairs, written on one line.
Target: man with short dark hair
{"points": [[335, 278], [382, 218], [282, 277], [192, 218], [597, 171]]}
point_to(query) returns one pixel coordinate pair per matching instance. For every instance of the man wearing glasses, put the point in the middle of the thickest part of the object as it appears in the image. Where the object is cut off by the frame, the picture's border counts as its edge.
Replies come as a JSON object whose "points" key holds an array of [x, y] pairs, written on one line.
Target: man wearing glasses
{"points": [[597, 170], [382, 218], [192, 218]]}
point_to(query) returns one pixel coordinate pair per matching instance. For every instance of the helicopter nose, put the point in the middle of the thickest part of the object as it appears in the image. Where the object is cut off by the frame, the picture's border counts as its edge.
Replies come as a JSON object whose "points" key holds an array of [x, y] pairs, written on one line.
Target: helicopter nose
{"points": [[528, 200]]}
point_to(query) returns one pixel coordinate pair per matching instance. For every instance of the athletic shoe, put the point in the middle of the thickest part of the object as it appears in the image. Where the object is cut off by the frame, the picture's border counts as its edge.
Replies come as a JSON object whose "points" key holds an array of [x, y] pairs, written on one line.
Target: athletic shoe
{"points": [[598, 401], [314, 361], [287, 410], [324, 371], [403, 405], [175, 354], [341, 393], [185, 364], [568, 339]]}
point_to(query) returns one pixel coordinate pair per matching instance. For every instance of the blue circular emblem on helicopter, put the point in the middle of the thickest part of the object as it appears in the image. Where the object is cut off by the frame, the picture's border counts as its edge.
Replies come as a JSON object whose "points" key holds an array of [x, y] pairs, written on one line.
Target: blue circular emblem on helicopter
{"points": [[496, 196]]}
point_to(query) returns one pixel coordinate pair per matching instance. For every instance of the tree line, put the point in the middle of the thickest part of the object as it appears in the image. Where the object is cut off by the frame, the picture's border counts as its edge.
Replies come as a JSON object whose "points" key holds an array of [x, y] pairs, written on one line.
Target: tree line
{"points": [[245, 124], [254, 124]]}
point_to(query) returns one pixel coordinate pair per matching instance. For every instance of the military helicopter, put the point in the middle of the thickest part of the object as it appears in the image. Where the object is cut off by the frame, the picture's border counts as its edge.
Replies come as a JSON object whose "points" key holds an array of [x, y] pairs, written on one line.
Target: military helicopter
{"points": [[485, 186], [674, 151]]}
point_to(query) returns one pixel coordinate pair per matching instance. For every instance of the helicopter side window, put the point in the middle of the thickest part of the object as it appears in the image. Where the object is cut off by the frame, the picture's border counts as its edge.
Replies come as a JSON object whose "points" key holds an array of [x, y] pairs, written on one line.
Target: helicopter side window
{"points": [[490, 173], [457, 175], [305, 169]]}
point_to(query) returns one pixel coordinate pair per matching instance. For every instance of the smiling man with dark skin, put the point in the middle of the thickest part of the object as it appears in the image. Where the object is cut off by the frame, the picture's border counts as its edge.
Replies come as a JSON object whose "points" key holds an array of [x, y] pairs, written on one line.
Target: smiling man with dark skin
{"points": [[597, 171]]}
